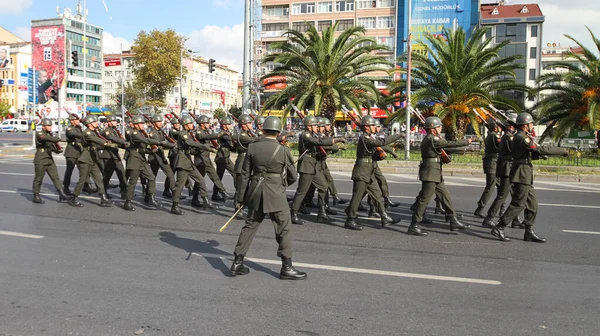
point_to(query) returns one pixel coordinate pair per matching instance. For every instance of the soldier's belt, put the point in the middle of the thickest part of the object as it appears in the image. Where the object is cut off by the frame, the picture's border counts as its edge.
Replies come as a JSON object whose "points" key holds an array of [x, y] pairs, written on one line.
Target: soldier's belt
{"points": [[272, 175], [522, 161], [91, 148], [41, 150], [437, 159], [366, 160]]}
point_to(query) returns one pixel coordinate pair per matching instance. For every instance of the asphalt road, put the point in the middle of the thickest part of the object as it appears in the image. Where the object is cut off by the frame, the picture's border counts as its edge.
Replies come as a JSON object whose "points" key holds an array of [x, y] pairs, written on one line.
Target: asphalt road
{"points": [[15, 139], [99, 271]]}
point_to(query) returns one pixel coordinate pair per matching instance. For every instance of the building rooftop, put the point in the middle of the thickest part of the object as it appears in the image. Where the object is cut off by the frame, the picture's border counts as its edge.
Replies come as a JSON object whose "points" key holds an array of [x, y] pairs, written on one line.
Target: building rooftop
{"points": [[502, 11]]}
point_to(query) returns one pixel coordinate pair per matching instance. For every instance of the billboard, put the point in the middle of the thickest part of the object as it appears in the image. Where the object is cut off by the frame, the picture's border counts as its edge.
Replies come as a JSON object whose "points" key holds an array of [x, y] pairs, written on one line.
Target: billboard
{"points": [[50, 110], [48, 59], [5, 62]]}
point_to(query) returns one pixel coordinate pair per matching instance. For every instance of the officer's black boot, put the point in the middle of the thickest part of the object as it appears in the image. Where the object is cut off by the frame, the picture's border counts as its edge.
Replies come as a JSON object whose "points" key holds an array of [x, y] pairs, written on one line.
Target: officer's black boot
{"points": [[426, 220], [498, 231], [389, 204], [372, 212], [351, 224], [415, 230], [323, 217], [196, 202], [288, 272], [312, 204], [105, 202], [128, 206], [68, 192], [62, 197], [530, 236], [330, 211], [151, 201], [238, 268], [488, 222], [108, 196], [455, 224], [438, 208], [304, 210], [517, 223], [207, 205], [175, 209], [36, 199], [479, 212], [337, 200], [295, 219], [217, 197], [387, 220], [75, 202], [167, 193], [113, 185]]}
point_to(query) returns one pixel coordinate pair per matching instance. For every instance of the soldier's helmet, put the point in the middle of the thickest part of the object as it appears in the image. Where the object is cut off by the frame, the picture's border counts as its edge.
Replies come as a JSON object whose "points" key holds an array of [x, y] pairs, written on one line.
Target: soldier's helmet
{"points": [[245, 118], [46, 122], [226, 121], [203, 119], [174, 121], [310, 120], [259, 120], [138, 119], [367, 121], [272, 123], [432, 122], [111, 117], [377, 123], [326, 121], [157, 118], [73, 116], [492, 125], [90, 118], [320, 121], [524, 119], [187, 120], [512, 119]]}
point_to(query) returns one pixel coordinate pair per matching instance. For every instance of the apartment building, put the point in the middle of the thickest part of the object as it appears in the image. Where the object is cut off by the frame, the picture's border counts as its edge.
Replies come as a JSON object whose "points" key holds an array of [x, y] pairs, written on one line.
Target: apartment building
{"points": [[117, 71]]}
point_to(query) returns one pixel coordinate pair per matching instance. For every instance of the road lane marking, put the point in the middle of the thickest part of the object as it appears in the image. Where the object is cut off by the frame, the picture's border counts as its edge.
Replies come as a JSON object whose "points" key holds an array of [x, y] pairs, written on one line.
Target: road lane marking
{"points": [[18, 174], [570, 205], [19, 234], [584, 232]]}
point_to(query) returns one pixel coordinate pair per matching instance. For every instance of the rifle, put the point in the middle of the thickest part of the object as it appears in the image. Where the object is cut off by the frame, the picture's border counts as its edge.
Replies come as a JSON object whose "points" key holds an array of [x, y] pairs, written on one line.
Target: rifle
{"points": [[154, 148], [496, 120], [503, 114], [301, 115], [445, 157], [56, 145], [165, 135], [354, 117]]}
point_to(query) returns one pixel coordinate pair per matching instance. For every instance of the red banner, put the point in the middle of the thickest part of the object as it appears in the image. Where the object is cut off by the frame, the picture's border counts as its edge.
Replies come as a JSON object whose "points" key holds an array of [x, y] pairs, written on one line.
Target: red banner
{"points": [[275, 83], [48, 59], [112, 62]]}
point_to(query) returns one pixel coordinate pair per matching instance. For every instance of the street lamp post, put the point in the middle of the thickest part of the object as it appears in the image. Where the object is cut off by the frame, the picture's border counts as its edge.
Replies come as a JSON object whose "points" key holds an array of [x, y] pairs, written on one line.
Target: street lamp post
{"points": [[408, 85]]}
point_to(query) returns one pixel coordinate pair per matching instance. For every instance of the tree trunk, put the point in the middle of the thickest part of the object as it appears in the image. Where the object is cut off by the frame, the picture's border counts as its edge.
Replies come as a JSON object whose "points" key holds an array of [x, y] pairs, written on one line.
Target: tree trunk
{"points": [[328, 108]]}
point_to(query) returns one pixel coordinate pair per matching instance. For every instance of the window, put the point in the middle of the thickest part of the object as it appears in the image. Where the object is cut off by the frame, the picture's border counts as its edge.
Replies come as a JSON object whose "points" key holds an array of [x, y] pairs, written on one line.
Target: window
{"points": [[325, 7], [107, 97], [366, 4], [118, 73], [533, 52], [323, 25], [511, 29], [386, 3], [303, 8], [531, 74], [368, 22], [387, 41], [345, 24], [301, 26], [385, 22], [534, 31], [344, 6], [108, 85], [108, 73], [278, 11], [275, 26]]}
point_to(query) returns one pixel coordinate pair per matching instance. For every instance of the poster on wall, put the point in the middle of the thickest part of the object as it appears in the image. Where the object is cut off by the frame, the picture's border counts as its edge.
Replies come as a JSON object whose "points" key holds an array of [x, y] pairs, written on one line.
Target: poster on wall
{"points": [[48, 59], [5, 62]]}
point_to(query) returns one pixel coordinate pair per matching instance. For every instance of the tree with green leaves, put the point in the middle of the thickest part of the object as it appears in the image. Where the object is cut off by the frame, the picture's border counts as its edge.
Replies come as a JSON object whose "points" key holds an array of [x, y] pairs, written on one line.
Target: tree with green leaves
{"points": [[573, 96], [157, 63], [456, 75], [323, 71], [134, 97], [4, 110]]}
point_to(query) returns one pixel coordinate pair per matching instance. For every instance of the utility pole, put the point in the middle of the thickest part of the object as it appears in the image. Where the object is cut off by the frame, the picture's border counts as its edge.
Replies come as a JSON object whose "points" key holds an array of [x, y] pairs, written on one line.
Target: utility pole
{"points": [[84, 57], [408, 86], [122, 92], [33, 105], [247, 58]]}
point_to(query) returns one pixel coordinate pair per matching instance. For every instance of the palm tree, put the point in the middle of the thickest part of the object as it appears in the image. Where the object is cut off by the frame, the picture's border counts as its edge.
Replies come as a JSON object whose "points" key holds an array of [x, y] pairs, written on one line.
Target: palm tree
{"points": [[574, 101], [456, 75], [324, 71]]}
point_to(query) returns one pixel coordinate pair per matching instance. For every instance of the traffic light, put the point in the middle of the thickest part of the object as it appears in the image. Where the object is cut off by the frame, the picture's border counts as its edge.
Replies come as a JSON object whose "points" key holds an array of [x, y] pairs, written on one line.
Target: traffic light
{"points": [[184, 102], [119, 101], [211, 65], [75, 58]]}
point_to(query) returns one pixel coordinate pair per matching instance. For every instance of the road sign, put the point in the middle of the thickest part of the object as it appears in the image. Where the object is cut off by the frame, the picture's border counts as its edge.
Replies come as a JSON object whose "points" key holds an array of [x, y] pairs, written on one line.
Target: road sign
{"points": [[112, 62]]}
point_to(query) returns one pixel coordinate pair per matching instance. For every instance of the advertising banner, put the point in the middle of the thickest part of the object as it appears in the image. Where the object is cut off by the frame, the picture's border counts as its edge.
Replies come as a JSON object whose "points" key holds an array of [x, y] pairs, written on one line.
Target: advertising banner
{"points": [[48, 59], [5, 62], [50, 110]]}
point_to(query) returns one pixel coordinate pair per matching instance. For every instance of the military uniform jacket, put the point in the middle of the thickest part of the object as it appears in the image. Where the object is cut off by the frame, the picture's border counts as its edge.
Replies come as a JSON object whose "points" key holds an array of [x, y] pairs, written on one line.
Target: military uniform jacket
{"points": [[44, 144], [365, 148], [138, 148], [187, 145], [243, 140], [226, 147], [110, 133], [430, 169], [159, 155], [524, 150], [74, 146], [174, 133], [490, 157], [505, 158], [202, 156], [92, 144], [308, 142], [260, 164]]}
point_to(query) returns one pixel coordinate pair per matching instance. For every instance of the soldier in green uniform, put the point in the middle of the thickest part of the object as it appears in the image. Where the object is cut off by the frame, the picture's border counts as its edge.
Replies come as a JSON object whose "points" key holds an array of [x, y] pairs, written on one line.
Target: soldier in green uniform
{"points": [[258, 125], [430, 174], [490, 160], [111, 157], [73, 150], [244, 138], [137, 164], [184, 166], [268, 169], [158, 159], [524, 151], [222, 158], [89, 161], [174, 133], [381, 180], [363, 177], [43, 162]]}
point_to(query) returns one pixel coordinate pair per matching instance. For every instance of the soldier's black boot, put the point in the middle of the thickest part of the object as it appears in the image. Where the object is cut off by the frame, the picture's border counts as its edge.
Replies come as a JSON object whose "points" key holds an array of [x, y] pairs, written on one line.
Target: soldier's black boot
{"points": [[426, 220], [68, 192], [498, 231], [312, 204], [415, 230], [288, 272], [62, 197], [217, 197], [206, 204], [488, 222], [175, 209], [372, 212], [128, 206], [479, 212], [104, 201], [295, 219], [337, 200], [387, 220], [323, 217], [113, 185], [362, 208], [330, 211], [304, 210], [167, 193], [108, 196], [150, 200], [88, 189], [455, 224], [351, 224], [517, 223], [75, 202], [530, 236], [36, 199], [238, 268], [389, 204], [438, 208]]}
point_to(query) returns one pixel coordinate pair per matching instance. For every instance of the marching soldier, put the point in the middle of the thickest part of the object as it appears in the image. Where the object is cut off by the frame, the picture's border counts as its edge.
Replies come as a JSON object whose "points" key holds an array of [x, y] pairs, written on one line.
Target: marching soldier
{"points": [[111, 157], [158, 160], [524, 150], [43, 162], [430, 174], [89, 161], [267, 171], [245, 137], [363, 177], [258, 125], [381, 180], [222, 158], [184, 166], [174, 133], [325, 128], [490, 159], [73, 150]]}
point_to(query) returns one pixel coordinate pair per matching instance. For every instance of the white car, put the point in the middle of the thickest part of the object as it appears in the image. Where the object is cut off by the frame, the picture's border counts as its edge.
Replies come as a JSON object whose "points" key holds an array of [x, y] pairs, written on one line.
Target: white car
{"points": [[14, 125], [38, 127]]}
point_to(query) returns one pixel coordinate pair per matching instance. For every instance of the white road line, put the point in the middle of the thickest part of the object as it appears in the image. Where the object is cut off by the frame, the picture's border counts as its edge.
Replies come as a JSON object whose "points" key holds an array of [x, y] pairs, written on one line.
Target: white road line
{"points": [[570, 206], [19, 234], [19, 174], [585, 232], [373, 271]]}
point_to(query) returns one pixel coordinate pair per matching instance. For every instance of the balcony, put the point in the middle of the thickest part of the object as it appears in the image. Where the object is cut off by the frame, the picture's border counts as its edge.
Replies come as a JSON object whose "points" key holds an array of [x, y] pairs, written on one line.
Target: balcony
{"points": [[276, 34], [275, 18]]}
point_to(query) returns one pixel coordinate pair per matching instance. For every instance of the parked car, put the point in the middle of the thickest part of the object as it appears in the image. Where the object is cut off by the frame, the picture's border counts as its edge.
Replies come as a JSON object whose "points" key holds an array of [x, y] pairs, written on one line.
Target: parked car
{"points": [[14, 125], [38, 127]]}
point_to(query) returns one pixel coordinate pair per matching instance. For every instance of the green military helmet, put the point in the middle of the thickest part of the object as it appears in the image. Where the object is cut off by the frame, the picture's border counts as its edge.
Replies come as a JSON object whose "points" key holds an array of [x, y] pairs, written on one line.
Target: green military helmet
{"points": [[367, 121], [110, 118], [377, 123], [524, 119], [226, 121], [326, 121], [157, 118], [138, 119], [174, 121], [245, 118], [90, 118], [432, 122], [310, 120], [259, 120], [203, 119], [46, 122], [272, 123], [73, 116], [512, 119], [187, 120]]}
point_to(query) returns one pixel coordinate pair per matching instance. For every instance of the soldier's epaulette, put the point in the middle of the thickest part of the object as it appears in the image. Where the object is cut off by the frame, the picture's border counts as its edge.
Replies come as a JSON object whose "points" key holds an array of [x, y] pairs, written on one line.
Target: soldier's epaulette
{"points": [[40, 133], [307, 134], [527, 140], [436, 138], [107, 132], [69, 128], [134, 132], [88, 132], [185, 136]]}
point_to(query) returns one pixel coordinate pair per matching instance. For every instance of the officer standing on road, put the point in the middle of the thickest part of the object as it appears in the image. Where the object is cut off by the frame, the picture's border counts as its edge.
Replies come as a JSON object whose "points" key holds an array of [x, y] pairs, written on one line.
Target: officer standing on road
{"points": [[73, 150], [430, 174], [490, 159], [222, 158], [524, 150], [43, 162], [111, 157], [174, 133], [268, 169], [157, 159]]}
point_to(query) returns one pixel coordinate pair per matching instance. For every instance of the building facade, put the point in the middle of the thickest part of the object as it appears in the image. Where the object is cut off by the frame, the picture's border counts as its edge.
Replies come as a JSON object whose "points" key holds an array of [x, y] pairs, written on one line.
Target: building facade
{"points": [[117, 71], [15, 60]]}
